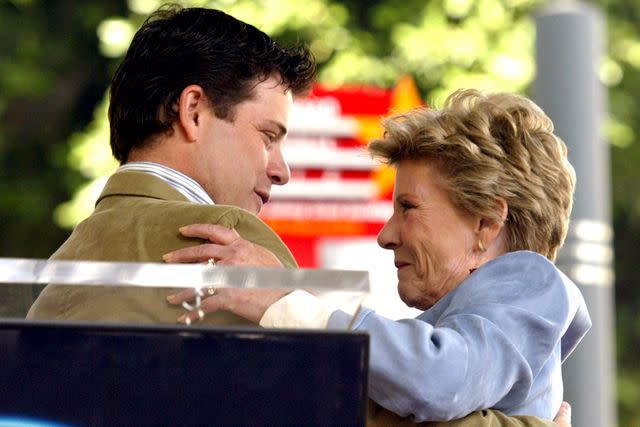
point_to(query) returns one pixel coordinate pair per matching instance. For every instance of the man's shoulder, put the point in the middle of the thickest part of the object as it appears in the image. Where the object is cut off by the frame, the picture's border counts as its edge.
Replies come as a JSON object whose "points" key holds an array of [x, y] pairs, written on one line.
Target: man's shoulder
{"points": [[142, 224], [147, 194], [228, 216], [187, 208], [166, 208]]}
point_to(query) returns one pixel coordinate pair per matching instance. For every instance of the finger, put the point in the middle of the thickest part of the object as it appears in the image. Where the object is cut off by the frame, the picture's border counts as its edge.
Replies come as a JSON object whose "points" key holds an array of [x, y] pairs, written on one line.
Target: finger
{"points": [[198, 253], [213, 232], [182, 296], [188, 318], [209, 305], [563, 417]]}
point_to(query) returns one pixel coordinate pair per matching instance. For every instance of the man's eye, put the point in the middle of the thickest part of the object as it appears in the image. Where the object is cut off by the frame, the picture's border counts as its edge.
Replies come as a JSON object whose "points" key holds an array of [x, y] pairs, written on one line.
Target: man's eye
{"points": [[269, 137]]}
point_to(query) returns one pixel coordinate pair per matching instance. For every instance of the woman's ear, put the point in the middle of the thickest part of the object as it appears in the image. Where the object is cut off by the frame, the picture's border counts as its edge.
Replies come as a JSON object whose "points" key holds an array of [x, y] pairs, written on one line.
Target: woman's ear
{"points": [[489, 229], [190, 107]]}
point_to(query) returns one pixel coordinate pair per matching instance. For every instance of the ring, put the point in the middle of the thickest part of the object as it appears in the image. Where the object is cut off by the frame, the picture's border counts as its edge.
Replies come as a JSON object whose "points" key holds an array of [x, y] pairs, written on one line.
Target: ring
{"points": [[211, 262], [211, 291]]}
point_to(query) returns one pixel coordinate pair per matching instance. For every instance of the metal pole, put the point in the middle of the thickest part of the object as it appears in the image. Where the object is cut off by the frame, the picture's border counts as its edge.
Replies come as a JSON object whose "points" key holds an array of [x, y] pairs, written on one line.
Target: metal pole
{"points": [[568, 49]]}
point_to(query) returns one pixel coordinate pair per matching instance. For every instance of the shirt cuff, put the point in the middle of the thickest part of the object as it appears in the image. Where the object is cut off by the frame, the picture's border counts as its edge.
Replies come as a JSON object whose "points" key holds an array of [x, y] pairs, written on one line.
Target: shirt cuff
{"points": [[299, 309]]}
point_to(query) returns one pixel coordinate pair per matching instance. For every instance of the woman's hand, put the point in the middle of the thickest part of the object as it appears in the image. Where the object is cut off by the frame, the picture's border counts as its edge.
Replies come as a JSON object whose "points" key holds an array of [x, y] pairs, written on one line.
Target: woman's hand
{"points": [[226, 248], [248, 303]]}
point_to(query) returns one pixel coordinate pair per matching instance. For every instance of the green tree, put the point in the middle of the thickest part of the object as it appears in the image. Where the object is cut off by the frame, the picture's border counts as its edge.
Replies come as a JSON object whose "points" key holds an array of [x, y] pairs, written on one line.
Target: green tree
{"points": [[445, 45], [50, 81]]}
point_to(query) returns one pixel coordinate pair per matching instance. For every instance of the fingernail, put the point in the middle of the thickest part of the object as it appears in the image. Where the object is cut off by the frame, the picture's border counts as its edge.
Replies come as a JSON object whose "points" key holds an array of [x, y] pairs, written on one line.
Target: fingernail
{"points": [[171, 298], [166, 257], [181, 318], [181, 229]]}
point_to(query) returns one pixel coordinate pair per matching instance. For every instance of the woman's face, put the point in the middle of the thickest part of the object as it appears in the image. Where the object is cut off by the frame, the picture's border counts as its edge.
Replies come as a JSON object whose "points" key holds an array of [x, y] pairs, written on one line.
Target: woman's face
{"points": [[432, 240]]}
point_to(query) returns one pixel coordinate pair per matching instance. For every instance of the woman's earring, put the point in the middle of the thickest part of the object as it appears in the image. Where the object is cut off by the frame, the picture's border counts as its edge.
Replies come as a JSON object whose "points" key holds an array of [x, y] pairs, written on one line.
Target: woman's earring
{"points": [[481, 247]]}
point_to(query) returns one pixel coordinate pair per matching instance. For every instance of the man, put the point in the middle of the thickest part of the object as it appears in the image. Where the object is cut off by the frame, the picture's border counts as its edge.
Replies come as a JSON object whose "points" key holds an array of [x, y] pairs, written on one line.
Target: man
{"points": [[199, 110]]}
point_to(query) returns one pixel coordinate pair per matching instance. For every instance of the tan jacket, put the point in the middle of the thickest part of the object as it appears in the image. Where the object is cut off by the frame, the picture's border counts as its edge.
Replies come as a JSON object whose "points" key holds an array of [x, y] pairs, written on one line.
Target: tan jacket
{"points": [[136, 218], [377, 416]]}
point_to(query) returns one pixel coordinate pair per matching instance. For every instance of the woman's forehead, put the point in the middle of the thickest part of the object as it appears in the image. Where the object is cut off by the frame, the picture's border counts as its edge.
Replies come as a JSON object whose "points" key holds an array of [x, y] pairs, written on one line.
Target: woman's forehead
{"points": [[420, 177]]}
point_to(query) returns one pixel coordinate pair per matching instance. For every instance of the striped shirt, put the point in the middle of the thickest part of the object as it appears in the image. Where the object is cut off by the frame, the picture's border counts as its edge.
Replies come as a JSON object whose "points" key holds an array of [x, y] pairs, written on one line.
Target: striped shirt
{"points": [[185, 185]]}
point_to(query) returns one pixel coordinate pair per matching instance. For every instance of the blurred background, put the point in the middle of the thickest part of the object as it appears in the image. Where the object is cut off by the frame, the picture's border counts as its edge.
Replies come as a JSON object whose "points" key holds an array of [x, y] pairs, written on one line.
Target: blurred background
{"points": [[57, 56]]}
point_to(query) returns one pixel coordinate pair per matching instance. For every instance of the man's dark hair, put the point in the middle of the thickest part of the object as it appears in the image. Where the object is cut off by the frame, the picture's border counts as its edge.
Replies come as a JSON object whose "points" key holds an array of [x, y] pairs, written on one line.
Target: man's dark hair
{"points": [[177, 47]]}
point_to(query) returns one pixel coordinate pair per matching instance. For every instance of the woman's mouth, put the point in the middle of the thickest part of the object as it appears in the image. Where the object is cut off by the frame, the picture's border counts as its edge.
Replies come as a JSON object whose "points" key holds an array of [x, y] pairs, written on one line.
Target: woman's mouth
{"points": [[400, 264]]}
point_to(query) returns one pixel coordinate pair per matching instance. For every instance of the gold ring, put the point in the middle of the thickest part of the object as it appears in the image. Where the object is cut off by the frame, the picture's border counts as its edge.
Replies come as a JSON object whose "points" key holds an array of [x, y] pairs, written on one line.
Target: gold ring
{"points": [[211, 262], [211, 291]]}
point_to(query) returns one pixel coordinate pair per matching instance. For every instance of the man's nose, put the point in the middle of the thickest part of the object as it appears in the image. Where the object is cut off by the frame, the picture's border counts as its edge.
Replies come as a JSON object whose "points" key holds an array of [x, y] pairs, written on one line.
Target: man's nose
{"points": [[278, 169]]}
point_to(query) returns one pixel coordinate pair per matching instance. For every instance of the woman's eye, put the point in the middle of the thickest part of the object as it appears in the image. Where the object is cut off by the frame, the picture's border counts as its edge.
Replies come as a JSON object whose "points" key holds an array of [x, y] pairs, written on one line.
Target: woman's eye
{"points": [[406, 206]]}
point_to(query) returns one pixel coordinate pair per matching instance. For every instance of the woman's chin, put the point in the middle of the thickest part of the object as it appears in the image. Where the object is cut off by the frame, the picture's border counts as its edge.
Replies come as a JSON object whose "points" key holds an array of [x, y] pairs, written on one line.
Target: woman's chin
{"points": [[413, 299]]}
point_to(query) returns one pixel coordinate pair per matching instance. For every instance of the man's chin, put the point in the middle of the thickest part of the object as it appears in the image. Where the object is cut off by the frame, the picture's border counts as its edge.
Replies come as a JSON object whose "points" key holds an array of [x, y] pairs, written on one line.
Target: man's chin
{"points": [[257, 204], [256, 209]]}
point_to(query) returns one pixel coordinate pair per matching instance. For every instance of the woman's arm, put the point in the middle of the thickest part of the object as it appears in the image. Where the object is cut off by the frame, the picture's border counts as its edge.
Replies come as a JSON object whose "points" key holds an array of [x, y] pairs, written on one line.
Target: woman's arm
{"points": [[409, 360]]}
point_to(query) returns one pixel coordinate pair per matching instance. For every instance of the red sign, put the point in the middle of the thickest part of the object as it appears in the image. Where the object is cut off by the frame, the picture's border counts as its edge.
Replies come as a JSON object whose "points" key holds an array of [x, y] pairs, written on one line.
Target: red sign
{"points": [[336, 190]]}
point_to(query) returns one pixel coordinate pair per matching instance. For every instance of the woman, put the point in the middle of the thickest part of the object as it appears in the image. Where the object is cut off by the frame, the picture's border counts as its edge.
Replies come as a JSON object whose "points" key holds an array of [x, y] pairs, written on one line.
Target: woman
{"points": [[482, 200]]}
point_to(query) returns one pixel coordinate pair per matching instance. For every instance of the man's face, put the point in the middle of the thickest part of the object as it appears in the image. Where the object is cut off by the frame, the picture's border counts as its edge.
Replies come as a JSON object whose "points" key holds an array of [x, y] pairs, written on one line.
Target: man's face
{"points": [[242, 158]]}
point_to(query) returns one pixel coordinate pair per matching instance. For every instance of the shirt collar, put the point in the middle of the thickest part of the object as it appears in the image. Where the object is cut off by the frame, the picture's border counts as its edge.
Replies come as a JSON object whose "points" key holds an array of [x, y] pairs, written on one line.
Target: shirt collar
{"points": [[181, 182]]}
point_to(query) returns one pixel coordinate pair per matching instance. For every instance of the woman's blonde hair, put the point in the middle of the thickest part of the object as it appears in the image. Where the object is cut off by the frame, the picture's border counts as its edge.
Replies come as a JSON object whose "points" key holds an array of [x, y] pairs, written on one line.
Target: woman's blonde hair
{"points": [[492, 146]]}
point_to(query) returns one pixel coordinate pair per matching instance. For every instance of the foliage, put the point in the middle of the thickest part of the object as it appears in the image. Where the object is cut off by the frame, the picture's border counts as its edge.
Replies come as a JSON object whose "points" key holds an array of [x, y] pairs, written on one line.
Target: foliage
{"points": [[49, 73], [56, 58], [446, 45]]}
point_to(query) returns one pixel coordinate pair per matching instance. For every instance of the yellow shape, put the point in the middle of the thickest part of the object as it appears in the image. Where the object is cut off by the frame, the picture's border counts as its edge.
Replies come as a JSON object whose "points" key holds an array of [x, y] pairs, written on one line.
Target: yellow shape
{"points": [[369, 127], [405, 95], [384, 178]]}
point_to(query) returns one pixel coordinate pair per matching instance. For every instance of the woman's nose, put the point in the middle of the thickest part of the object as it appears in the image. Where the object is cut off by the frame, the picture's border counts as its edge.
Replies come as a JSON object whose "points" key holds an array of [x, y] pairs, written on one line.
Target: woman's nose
{"points": [[388, 236]]}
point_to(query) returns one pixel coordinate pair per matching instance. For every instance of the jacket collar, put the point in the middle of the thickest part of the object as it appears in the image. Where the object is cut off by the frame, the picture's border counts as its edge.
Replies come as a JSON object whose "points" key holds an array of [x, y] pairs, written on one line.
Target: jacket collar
{"points": [[139, 184]]}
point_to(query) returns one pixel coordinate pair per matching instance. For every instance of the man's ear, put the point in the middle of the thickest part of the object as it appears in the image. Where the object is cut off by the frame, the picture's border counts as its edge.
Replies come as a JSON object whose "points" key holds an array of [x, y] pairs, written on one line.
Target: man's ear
{"points": [[489, 229], [192, 104]]}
